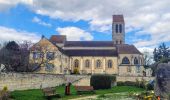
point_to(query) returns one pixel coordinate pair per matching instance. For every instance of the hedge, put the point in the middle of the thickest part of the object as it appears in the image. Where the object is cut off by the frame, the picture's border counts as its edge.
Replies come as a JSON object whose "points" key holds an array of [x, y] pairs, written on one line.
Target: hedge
{"points": [[102, 81]]}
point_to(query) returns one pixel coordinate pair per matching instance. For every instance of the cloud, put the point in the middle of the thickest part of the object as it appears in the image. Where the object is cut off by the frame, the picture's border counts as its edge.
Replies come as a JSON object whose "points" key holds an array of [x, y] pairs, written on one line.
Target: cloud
{"points": [[74, 33], [7, 4], [9, 34], [150, 16], [40, 22]]}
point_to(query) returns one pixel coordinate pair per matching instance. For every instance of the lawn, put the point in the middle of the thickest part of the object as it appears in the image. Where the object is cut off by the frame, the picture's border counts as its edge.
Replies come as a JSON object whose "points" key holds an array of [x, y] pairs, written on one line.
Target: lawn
{"points": [[36, 94]]}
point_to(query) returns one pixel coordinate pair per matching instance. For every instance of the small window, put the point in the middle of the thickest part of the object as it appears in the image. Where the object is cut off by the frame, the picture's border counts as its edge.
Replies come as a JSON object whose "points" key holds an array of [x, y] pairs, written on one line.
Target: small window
{"points": [[120, 42], [120, 28], [110, 64], [49, 67], [125, 60], [50, 55], [136, 61], [87, 63], [76, 63], [98, 64], [117, 28], [37, 55], [116, 42]]}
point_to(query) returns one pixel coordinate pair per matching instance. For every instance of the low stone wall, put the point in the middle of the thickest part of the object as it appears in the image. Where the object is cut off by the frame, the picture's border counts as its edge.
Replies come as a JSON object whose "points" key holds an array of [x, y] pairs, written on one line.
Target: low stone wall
{"points": [[133, 78], [23, 81]]}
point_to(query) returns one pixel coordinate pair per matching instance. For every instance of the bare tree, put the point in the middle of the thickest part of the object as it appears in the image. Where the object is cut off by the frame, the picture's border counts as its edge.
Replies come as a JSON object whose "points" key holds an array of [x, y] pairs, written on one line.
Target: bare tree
{"points": [[148, 58], [15, 56], [42, 55]]}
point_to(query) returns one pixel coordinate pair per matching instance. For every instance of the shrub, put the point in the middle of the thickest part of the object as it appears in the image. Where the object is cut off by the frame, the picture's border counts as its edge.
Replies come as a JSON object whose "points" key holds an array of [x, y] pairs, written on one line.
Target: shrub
{"points": [[120, 83], [76, 71], [130, 83], [150, 86], [4, 94], [102, 81]]}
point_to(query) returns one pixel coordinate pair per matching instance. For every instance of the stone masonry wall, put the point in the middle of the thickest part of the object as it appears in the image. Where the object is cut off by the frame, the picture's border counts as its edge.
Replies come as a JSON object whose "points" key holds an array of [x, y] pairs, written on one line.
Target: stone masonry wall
{"points": [[23, 81]]}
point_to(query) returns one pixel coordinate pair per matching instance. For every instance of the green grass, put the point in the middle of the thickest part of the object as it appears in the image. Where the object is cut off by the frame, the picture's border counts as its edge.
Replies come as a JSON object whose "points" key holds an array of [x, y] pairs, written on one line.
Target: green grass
{"points": [[36, 94]]}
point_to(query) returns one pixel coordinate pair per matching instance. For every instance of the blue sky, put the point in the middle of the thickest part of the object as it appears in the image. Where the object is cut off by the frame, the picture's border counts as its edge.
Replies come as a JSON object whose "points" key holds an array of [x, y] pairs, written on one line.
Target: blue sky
{"points": [[147, 22]]}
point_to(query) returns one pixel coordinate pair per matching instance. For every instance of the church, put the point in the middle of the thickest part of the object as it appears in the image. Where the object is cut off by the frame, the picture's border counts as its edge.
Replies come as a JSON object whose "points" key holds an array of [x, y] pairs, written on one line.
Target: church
{"points": [[56, 55]]}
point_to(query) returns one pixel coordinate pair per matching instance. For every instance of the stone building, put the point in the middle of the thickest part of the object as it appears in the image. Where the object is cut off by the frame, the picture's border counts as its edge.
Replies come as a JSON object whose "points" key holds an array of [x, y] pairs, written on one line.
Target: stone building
{"points": [[60, 56]]}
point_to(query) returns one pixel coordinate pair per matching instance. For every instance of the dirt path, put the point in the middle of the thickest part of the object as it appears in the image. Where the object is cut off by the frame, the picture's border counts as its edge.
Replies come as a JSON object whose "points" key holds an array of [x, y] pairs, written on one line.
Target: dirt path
{"points": [[85, 98]]}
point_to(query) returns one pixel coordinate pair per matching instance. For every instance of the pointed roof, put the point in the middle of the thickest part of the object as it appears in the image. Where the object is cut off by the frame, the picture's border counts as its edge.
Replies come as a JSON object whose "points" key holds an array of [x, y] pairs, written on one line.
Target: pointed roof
{"points": [[118, 18], [57, 39], [127, 49]]}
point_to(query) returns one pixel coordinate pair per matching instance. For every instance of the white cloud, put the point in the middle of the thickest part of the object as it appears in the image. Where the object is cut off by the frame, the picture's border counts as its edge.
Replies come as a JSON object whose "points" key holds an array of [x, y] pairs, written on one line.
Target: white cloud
{"points": [[149, 15], [75, 33], [39, 21], [9, 34], [7, 4]]}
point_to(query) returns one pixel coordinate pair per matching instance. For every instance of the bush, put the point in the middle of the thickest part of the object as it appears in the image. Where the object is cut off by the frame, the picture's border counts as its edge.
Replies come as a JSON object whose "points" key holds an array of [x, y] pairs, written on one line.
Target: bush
{"points": [[4, 94], [150, 86], [126, 83], [76, 71], [120, 83], [102, 81]]}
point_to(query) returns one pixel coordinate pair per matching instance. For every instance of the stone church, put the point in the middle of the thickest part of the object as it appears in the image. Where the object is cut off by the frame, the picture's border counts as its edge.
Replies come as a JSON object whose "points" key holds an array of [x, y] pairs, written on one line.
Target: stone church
{"points": [[59, 56]]}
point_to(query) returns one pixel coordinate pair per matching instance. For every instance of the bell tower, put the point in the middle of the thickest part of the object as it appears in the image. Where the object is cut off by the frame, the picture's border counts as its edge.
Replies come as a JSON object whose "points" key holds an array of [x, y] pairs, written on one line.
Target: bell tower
{"points": [[118, 29]]}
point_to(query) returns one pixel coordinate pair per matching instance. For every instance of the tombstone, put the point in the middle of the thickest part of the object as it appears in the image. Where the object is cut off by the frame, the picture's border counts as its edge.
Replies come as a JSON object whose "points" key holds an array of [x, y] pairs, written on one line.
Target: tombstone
{"points": [[162, 81]]}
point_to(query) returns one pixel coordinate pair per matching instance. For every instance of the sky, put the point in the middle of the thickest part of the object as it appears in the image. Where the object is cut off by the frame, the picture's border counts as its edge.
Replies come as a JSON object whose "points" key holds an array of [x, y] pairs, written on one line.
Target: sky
{"points": [[147, 22]]}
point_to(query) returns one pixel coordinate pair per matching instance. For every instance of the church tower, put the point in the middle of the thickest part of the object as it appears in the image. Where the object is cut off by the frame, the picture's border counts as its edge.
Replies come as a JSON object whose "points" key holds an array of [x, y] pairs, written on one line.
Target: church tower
{"points": [[118, 29]]}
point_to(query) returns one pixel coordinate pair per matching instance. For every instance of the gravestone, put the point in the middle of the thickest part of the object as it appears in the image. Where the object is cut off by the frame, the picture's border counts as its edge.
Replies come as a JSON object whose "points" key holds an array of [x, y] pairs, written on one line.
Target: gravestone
{"points": [[162, 81]]}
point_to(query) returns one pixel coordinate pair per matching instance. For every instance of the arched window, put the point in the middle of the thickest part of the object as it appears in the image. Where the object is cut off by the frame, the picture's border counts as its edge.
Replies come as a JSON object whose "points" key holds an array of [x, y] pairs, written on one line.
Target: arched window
{"points": [[136, 61], [98, 63], [120, 42], [116, 42], [125, 60], [110, 64], [117, 28], [120, 28], [87, 63], [76, 63]]}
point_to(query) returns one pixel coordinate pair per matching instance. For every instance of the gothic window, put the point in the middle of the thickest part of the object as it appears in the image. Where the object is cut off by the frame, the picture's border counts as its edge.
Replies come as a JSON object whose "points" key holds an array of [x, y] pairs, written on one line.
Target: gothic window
{"points": [[120, 42], [125, 60], [120, 28], [76, 63], [117, 28], [98, 64], [87, 63], [136, 61], [49, 67], [116, 42], [110, 64], [50, 55]]}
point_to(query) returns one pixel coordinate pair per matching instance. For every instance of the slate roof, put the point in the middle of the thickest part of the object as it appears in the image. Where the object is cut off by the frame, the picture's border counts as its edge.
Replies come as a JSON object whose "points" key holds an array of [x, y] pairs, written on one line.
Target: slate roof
{"points": [[91, 52], [118, 18], [127, 49], [89, 44], [57, 39]]}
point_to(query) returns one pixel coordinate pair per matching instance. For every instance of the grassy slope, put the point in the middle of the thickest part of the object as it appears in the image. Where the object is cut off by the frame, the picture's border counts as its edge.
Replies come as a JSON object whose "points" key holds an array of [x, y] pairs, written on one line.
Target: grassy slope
{"points": [[37, 94]]}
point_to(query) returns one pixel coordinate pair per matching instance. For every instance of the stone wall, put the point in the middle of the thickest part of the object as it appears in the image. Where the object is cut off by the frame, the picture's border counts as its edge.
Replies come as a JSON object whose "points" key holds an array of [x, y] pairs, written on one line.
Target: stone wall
{"points": [[23, 81], [133, 78]]}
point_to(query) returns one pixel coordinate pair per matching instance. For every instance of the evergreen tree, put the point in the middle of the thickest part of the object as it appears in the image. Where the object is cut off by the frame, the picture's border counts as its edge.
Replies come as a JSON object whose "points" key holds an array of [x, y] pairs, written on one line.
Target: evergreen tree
{"points": [[162, 53]]}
